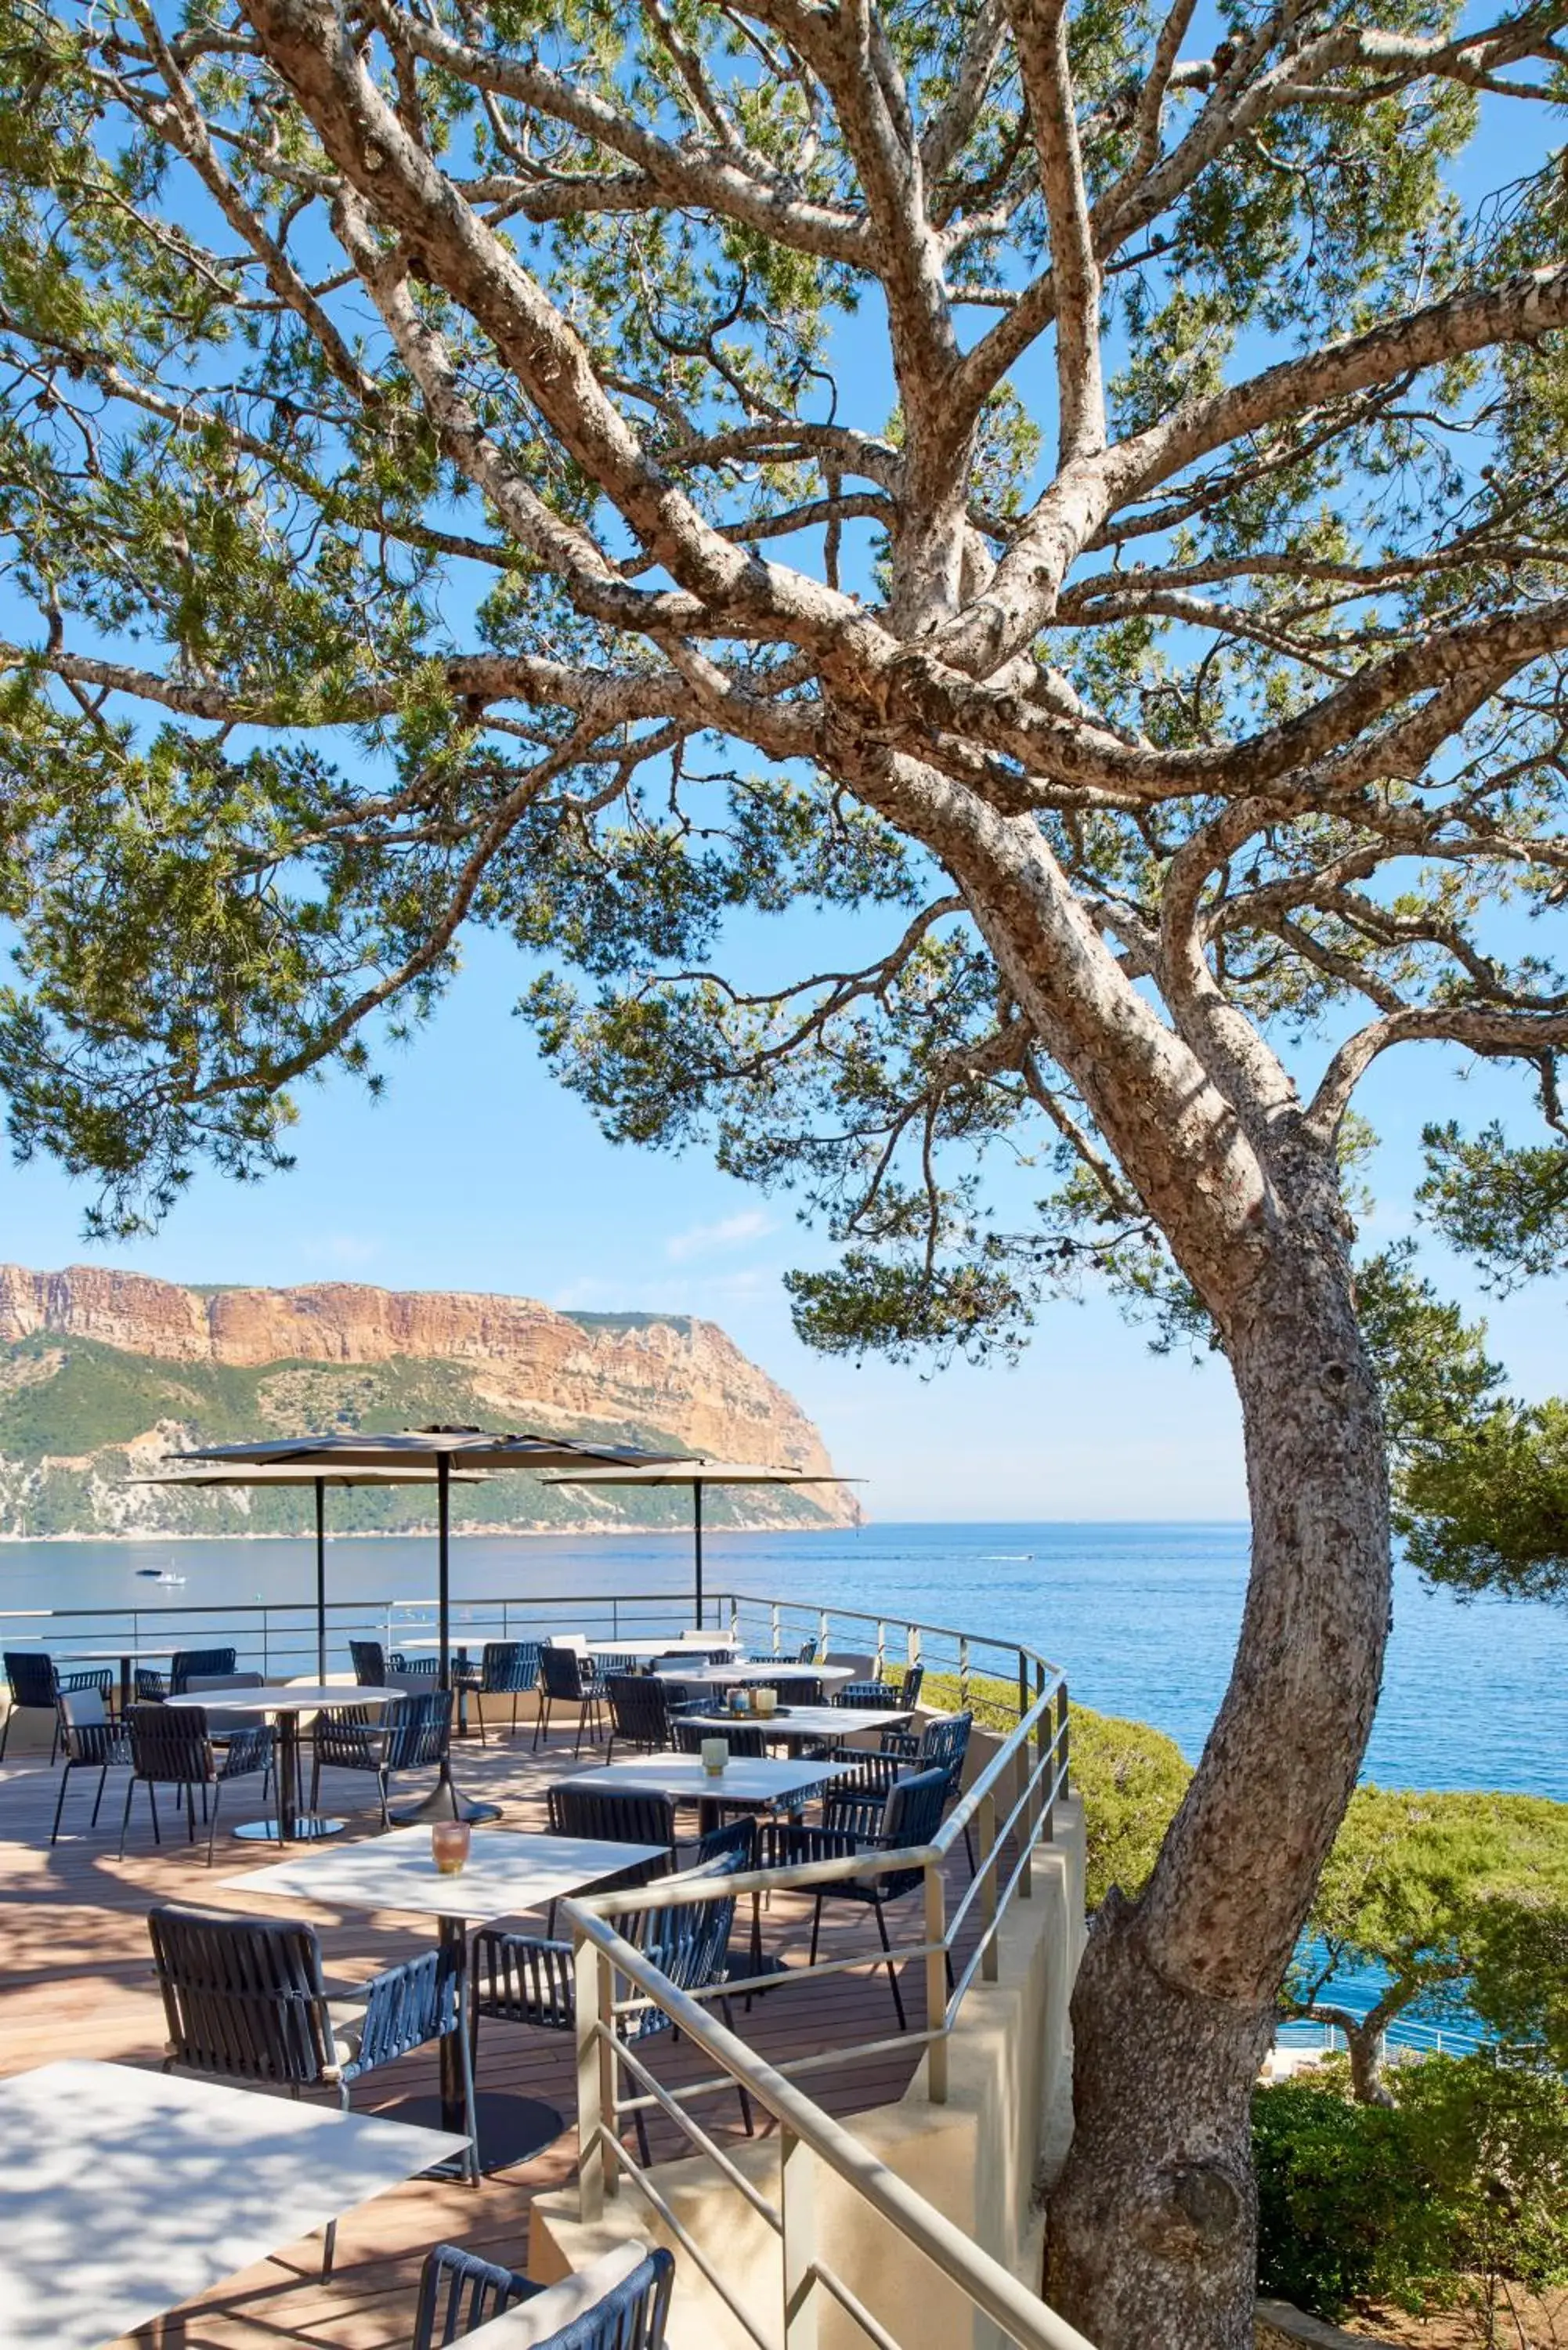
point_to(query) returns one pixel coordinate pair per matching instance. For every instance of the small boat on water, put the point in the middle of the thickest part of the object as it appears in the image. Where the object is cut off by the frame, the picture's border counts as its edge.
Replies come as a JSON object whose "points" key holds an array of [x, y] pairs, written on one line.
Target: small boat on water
{"points": [[159, 1575]]}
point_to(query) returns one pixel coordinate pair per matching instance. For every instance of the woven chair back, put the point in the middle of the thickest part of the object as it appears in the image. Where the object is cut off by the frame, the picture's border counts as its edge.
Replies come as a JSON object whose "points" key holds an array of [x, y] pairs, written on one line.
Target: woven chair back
{"points": [[32, 1677], [612, 1815], [944, 1746], [561, 1674], [243, 1998], [370, 1663], [170, 1745], [418, 1729], [639, 1709], [186, 1661], [509, 1668]]}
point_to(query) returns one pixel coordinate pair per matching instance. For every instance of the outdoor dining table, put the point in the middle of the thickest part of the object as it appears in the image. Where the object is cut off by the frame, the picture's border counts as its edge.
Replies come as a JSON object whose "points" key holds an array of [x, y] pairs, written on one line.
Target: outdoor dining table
{"points": [[745, 1778], [125, 2193], [646, 1650], [507, 1871], [798, 1725], [126, 1659], [285, 1704], [734, 1676]]}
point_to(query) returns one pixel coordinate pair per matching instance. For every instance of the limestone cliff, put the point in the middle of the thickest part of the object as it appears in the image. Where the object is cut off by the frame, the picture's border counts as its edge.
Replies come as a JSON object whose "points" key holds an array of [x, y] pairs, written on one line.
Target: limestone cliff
{"points": [[101, 1371]]}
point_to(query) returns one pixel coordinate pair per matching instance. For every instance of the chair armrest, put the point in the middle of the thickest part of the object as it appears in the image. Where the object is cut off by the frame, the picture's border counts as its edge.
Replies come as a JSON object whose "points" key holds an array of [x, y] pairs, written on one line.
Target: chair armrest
{"points": [[250, 1749], [524, 1978], [405, 2008], [789, 1843]]}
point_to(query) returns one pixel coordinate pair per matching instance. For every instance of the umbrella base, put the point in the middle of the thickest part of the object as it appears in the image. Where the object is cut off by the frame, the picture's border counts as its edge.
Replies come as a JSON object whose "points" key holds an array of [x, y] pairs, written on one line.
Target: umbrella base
{"points": [[445, 1801], [310, 1828], [511, 2128]]}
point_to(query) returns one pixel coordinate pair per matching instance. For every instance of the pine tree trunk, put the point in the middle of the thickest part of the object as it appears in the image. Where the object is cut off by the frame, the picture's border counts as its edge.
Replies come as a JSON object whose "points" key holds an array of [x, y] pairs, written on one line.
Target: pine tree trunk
{"points": [[1152, 2225]]}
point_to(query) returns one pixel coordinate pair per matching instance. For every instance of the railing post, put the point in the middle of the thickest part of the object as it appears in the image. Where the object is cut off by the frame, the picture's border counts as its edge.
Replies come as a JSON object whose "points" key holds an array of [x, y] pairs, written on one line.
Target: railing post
{"points": [[881, 1649], [821, 1634], [777, 1625], [1025, 1804], [797, 2215], [936, 1983], [912, 1644], [963, 1671], [595, 1988], [987, 1826], [1063, 1736]]}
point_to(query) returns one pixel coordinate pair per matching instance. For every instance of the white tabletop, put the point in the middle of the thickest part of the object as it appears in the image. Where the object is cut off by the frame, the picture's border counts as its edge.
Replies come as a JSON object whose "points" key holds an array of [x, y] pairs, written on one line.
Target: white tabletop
{"points": [[96, 1656], [124, 2193], [731, 1676], [745, 1779], [507, 1871], [802, 1721], [319, 1699], [697, 1649]]}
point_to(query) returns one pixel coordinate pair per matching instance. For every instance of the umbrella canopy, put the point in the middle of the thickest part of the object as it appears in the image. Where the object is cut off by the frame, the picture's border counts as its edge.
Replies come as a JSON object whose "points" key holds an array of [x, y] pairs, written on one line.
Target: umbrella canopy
{"points": [[446, 1450], [697, 1474], [296, 1474]]}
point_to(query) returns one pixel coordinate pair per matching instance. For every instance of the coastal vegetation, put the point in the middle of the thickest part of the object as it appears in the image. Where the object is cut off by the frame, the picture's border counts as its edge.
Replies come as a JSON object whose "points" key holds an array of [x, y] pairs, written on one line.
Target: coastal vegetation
{"points": [[1070, 500], [1453, 2193]]}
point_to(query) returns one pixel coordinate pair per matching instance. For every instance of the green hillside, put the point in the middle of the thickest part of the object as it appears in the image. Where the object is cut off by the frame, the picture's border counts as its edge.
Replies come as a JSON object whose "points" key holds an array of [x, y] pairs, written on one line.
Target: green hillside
{"points": [[69, 1406]]}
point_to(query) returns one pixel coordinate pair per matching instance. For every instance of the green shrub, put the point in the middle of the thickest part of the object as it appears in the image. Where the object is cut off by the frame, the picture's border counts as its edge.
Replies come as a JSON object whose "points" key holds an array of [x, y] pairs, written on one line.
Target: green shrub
{"points": [[1465, 2178], [1131, 1778], [1344, 2210]]}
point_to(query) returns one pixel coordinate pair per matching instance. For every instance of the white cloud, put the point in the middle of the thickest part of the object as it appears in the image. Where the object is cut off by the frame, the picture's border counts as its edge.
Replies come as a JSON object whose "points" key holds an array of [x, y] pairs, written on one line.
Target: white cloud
{"points": [[709, 1240]]}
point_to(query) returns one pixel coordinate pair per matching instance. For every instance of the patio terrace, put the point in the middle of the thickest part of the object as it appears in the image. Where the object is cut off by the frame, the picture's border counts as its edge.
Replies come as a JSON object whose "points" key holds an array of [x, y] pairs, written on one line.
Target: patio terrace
{"points": [[75, 1980]]}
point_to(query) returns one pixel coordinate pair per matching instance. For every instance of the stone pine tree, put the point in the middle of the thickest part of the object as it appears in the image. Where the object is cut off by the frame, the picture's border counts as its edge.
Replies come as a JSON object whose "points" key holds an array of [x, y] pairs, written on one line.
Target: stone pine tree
{"points": [[1060, 507]]}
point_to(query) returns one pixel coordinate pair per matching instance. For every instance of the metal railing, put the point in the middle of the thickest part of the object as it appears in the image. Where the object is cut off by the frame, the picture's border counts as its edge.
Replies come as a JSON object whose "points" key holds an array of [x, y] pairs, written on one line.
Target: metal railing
{"points": [[809, 2140], [1009, 1808]]}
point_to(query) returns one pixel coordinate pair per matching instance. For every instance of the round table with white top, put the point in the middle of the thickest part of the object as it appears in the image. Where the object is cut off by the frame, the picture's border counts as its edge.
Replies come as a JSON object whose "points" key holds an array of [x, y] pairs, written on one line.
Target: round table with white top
{"points": [[284, 1705]]}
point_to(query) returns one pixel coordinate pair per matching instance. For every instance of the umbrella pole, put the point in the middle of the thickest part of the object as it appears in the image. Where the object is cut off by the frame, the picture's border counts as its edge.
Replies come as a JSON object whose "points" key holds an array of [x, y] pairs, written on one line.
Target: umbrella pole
{"points": [[697, 1541], [321, 1580], [444, 1802]]}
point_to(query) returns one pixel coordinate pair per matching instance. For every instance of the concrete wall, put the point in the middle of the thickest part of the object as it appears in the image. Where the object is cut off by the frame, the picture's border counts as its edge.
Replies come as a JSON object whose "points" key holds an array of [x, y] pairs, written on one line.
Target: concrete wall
{"points": [[976, 2158]]}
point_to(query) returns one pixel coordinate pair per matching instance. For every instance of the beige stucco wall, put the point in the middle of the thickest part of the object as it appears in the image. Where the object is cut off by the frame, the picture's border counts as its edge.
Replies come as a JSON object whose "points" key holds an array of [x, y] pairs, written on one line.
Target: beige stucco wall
{"points": [[976, 2158]]}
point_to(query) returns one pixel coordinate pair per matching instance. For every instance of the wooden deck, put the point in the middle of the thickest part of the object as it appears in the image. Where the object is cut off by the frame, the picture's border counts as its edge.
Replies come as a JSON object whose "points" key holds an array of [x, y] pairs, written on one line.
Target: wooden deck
{"points": [[76, 1980]]}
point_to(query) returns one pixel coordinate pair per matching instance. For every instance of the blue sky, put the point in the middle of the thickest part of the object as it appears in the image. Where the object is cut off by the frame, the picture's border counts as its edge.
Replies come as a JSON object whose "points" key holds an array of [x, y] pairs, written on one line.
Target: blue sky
{"points": [[475, 1172]]}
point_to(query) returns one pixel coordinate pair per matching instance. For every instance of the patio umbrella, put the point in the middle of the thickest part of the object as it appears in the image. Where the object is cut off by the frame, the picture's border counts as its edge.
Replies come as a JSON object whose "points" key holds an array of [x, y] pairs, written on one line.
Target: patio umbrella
{"points": [[291, 1473], [443, 1452], [697, 1474]]}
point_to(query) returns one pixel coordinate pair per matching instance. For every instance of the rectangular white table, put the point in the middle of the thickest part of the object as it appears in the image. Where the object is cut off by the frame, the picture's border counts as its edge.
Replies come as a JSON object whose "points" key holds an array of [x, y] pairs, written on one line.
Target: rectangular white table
{"points": [[734, 1675], [645, 1649], [797, 1723], [745, 1779], [125, 2193], [284, 1705], [507, 1871]]}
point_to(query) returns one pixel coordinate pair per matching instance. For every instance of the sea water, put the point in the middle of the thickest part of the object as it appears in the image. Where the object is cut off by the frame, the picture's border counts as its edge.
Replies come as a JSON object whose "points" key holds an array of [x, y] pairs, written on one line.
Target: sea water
{"points": [[1141, 1618]]}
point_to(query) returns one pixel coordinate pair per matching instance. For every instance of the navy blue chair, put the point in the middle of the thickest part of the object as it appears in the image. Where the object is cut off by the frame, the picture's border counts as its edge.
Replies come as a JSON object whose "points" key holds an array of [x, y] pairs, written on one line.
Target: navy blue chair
{"points": [[246, 1999], [942, 1745], [35, 1682], [415, 1668], [853, 1824], [507, 1668], [171, 1747], [199, 1662], [639, 1710], [151, 1686], [568, 1679], [370, 1663], [459, 2292], [411, 1733], [92, 1742], [531, 1979]]}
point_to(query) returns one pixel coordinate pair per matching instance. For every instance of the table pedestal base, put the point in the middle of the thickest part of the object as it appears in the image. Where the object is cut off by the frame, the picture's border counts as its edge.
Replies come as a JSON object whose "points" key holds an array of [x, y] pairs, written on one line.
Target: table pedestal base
{"points": [[311, 1828], [511, 2128], [444, 1802]]}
